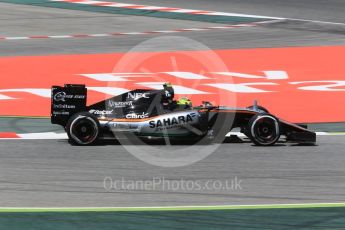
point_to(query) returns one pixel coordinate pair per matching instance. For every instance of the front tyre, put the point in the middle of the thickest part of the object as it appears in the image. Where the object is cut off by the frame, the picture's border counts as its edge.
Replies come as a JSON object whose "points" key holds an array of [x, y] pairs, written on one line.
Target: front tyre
{"points": [[83, 129], [263, 129]]}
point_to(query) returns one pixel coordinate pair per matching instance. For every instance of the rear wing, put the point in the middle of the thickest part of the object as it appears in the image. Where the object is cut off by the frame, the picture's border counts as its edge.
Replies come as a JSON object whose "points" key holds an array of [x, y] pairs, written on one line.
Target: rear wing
{"points": [[67, 101]]}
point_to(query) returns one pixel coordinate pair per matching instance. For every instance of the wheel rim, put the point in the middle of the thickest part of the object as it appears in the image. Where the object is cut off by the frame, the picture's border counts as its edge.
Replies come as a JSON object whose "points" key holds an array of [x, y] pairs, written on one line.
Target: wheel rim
{"points": [[84, 130], [265, 130]]}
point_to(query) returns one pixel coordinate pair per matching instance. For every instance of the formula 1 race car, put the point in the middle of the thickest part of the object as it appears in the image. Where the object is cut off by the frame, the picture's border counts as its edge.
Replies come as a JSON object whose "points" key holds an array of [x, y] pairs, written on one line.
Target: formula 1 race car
{"points": [[154, 114]]}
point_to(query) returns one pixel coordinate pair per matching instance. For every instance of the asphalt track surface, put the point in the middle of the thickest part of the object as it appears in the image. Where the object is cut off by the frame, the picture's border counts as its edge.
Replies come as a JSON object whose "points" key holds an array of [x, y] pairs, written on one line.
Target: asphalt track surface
{"points": [[52, 173], [34, 21], [41, 173]]}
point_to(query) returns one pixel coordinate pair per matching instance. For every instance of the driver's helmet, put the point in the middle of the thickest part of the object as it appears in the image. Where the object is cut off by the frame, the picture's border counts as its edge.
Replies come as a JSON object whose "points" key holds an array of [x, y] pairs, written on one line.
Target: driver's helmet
{"points": [[184, 101], [167, 85]]}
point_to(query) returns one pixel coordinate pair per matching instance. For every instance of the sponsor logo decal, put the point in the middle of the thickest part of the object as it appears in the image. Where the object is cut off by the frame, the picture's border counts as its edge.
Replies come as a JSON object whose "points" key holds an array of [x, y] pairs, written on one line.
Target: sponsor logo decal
{"points": [[136, 96], [123, 126], [101, 112], [172, 122], [137, 116], [62, 96], [61, 113], [63, 106], [119, 104]]}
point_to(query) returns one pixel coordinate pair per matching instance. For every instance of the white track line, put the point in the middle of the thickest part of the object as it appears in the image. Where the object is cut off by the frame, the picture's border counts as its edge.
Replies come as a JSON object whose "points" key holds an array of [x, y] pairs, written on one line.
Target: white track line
{"points": [[316, 21], [113, 34], [163, 9], [187, 207], [188, 11], [62, 136]]}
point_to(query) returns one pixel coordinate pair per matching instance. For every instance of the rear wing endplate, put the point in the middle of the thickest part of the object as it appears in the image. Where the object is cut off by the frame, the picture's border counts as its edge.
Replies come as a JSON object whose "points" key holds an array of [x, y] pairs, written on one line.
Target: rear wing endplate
{"points": [[66, 101]]}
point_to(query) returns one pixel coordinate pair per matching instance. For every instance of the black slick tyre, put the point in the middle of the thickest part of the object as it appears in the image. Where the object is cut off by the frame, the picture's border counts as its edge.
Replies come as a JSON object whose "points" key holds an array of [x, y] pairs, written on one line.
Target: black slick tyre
{"points": [[263, 129], [83, 129]]}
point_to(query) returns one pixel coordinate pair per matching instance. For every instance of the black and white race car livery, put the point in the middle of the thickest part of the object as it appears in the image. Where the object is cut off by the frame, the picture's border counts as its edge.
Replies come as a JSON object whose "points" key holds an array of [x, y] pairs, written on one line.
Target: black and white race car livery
{"points": [[154, 114]]}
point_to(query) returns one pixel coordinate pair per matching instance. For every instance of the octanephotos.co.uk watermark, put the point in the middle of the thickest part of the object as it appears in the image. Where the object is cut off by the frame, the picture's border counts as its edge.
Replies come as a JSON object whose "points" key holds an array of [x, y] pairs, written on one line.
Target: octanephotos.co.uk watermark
{"points": [[164, 184]]}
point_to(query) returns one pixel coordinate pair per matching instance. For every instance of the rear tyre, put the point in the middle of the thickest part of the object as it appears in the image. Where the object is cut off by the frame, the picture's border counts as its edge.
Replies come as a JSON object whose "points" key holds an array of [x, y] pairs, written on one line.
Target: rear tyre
{"points": [[83, 129], [263, 129]]}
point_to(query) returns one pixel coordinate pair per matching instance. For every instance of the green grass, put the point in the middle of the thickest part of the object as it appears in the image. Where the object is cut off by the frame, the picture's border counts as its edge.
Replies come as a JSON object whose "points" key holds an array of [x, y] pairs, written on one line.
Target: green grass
{"points": [[306, 216]]}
